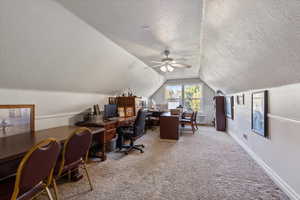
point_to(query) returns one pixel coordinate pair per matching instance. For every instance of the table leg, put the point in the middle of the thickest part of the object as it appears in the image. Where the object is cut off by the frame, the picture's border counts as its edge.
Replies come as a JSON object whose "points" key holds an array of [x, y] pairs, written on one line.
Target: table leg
{"points": [[103, 149]]}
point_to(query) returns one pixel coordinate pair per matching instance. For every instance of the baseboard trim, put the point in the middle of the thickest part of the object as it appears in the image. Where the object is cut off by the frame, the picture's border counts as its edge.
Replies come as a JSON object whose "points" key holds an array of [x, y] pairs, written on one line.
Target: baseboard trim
{"points": [[272, 174]]}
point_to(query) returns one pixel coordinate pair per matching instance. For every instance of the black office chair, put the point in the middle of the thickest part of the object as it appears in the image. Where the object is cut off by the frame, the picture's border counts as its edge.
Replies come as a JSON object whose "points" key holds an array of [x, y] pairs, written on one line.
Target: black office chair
{"points": [[132, 133]]}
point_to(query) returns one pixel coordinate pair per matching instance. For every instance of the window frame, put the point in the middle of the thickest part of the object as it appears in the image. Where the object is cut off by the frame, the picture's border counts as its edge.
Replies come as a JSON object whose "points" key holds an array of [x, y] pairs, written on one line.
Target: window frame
{"points": [[180, 99], [183, 99]]}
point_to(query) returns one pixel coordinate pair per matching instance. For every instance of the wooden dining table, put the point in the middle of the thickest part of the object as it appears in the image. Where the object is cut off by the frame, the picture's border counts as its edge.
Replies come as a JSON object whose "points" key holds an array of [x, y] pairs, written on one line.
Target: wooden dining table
{"points": [[13, 148]]}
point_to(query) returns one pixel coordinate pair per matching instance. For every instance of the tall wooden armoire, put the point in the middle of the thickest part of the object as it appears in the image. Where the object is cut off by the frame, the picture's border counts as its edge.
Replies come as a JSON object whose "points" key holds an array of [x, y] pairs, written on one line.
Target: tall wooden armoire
{"points": [[220, 114]]}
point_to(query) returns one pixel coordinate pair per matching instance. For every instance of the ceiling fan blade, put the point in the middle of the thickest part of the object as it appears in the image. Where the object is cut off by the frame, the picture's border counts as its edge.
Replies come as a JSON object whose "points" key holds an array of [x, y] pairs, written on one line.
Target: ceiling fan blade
{"points": [[180, 65], [180, 59], [155, 66], [154, 61]]}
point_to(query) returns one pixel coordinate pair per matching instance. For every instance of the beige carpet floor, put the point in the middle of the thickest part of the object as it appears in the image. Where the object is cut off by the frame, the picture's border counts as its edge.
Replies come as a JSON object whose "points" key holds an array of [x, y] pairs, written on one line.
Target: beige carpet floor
{"points": [[206, 166]]}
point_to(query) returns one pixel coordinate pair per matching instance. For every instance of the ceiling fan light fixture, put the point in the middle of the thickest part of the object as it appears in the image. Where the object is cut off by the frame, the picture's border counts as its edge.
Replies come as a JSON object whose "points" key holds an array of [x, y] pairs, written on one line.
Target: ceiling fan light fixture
{"points": [[170, 68], [163, 69], [168, 64]]}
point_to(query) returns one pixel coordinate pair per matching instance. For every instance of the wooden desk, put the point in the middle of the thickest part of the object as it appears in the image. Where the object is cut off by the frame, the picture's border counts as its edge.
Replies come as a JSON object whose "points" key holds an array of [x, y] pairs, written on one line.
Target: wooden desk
{"points": [[13, 148], [110, 127], [169, 126]]}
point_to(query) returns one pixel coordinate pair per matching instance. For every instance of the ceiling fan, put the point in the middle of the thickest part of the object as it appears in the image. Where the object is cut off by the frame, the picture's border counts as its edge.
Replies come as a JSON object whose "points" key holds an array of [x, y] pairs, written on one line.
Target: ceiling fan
{"points": [[168, 64]]}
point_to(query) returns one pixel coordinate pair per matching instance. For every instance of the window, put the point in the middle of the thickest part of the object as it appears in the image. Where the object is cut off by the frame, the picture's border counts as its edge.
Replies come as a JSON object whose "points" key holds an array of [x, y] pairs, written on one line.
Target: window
{"points": [[173, 104], [173, 96], [190, 96]]}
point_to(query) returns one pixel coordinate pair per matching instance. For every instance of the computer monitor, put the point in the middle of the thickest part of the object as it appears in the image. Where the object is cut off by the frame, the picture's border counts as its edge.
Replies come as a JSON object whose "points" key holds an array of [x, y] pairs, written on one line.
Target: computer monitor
{"points": [[110, 110]]}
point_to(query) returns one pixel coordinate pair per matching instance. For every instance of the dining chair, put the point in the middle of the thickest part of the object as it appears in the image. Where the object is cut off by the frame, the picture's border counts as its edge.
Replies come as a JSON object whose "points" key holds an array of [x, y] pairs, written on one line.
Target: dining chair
{"points": [[195, 120], [34, 173], [188, 121], [74, 155]]}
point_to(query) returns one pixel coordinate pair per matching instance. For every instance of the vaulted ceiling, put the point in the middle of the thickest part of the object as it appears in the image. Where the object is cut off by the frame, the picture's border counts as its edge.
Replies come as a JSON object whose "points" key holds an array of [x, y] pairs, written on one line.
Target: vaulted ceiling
{"points": [[43, 46], [232, 45], [105, 46], [250, 44], [145, 28]]}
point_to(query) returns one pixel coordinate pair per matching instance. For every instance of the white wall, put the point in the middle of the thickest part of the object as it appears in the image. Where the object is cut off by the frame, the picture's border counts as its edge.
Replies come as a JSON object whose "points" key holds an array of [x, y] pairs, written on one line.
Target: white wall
{"points": [[253, 44], [281, 151], [53, 108], [208, 94]]}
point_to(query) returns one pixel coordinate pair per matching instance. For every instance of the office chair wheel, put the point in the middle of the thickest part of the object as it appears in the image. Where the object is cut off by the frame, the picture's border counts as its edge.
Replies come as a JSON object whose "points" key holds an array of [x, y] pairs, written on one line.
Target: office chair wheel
{"points": [[142, 151], [143, 146]]}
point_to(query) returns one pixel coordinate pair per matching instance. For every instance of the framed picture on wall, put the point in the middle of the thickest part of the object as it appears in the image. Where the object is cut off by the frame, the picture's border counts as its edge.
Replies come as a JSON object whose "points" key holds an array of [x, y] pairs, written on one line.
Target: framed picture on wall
{"points": [[229, 101], [259, 113], [16, 119], [240, 99]]}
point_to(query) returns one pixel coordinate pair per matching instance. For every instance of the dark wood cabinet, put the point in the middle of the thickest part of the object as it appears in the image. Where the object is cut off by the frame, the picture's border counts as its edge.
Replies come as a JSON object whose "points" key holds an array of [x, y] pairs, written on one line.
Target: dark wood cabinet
{"points": [[220, 115], [110, 132], [169, 126], [131, 103]]}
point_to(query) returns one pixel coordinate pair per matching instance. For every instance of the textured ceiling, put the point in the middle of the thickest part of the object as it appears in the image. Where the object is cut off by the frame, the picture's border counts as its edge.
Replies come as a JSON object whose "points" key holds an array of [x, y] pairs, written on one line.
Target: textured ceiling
{"points": [[64, 45], [146, 27], [250, 44], [43, 46]]}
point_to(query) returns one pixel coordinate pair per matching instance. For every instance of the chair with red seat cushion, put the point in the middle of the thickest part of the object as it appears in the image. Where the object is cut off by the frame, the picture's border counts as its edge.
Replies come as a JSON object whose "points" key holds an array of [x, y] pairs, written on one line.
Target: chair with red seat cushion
{"points": [[74, 154], [34, 173]]}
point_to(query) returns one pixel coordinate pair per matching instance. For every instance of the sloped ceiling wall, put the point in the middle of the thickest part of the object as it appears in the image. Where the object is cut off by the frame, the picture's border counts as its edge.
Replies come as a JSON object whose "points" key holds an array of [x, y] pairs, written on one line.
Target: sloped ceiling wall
{"points": [[147, 27], [245, 45], [45, 47], [250, 44]]}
